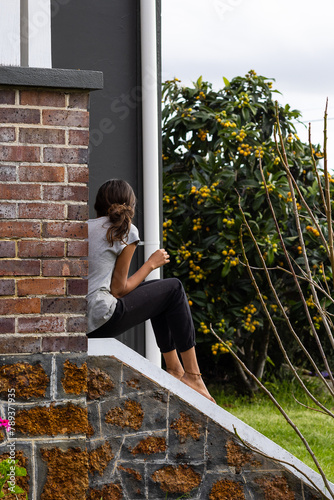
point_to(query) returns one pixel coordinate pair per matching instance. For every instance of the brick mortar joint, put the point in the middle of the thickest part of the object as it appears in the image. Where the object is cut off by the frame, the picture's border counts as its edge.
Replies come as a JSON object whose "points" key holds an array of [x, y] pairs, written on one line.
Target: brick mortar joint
{"points": [[42, 107]]}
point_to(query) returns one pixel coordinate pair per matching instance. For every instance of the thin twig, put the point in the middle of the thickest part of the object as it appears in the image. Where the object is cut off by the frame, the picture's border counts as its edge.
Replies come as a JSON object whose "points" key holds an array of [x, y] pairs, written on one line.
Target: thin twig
{"points": [[315, 168], [308, 407], [328, 197]]}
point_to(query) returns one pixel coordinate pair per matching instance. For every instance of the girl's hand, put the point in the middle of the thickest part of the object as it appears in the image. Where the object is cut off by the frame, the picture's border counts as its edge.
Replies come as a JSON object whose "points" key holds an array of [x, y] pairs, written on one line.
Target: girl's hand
{"points": [[158, 258]]}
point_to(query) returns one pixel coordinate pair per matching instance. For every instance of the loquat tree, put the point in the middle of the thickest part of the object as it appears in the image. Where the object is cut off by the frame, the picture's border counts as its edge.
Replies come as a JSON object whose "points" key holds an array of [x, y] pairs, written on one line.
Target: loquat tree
{"points": [[213, 142]]}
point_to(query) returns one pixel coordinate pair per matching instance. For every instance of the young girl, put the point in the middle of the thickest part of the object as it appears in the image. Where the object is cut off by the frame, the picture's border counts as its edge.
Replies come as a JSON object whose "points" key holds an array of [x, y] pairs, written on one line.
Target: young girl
{"points": [[117, 302]]}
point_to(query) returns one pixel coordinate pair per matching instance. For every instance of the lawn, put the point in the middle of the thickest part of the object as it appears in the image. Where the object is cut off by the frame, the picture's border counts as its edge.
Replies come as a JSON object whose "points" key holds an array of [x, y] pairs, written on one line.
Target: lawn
{"points": [[263, 416]]}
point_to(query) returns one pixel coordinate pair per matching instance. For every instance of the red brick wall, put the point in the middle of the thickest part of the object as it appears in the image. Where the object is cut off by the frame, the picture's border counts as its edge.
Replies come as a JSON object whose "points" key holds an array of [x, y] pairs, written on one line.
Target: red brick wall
{"points": [[43, 211]]}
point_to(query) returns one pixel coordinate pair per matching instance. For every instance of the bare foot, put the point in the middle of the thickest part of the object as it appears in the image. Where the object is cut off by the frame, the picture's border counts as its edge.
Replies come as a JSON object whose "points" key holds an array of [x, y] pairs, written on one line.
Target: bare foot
{"points": [[176, 373], [196, 383]]}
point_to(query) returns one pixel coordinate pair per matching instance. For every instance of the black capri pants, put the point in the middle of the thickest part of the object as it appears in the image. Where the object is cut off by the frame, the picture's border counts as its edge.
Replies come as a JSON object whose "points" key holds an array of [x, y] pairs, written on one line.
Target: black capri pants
{"points": [[165, 303]]}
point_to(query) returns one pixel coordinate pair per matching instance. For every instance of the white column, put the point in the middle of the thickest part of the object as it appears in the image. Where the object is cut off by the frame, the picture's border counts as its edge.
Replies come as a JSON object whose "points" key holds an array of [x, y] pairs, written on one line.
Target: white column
{"points": [[10, 32], [36, 33], [150, 150]]}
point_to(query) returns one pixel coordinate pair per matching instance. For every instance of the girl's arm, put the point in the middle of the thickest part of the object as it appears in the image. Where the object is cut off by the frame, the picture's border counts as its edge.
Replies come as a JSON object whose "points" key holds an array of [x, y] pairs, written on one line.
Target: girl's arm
{"points": [[120, 284]]}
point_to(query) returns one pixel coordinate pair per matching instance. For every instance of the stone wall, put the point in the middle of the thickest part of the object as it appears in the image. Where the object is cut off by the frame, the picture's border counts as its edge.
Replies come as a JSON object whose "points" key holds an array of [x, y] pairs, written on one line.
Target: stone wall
{"points": [[145, 442]]}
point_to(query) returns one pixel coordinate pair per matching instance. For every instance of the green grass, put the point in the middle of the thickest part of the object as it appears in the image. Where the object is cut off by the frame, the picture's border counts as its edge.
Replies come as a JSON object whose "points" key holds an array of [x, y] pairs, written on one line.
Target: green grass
{"points": [[261, 414]]}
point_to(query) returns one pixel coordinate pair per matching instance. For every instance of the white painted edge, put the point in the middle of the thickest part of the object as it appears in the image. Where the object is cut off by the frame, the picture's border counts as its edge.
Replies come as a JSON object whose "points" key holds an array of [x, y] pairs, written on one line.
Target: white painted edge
{"points": [[10, 32], [39, 45], [112, 347]]}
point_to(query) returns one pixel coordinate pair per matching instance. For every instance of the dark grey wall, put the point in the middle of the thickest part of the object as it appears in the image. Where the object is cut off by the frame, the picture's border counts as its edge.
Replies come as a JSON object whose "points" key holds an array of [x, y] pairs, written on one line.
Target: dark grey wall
{"points": [[104, 35]]}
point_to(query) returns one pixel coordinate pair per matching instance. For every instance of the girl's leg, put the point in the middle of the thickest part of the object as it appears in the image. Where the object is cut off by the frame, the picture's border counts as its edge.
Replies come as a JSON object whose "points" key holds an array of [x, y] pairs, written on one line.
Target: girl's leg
{"points": [[164, 302], [173, 364], [192, 375]]}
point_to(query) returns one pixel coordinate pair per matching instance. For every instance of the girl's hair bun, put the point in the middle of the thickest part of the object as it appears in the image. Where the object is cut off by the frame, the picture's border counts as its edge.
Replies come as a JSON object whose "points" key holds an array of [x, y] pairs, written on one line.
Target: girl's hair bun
{"points": [[116, 200], [117, 209], [120, 217]]}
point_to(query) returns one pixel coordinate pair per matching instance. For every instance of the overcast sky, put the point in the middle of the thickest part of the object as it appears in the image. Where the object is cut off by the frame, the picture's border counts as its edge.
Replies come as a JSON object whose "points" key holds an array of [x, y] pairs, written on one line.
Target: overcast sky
{"points": [[289, 40]]}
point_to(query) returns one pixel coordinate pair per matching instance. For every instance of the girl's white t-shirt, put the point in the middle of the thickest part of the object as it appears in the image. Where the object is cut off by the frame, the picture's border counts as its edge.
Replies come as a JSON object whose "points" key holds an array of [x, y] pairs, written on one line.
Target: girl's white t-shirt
{"points": [[102, 258]]}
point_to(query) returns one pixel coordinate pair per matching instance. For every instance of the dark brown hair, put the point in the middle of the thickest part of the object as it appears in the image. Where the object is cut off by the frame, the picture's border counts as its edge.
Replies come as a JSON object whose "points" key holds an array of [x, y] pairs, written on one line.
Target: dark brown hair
{"points": [[116, 199]]}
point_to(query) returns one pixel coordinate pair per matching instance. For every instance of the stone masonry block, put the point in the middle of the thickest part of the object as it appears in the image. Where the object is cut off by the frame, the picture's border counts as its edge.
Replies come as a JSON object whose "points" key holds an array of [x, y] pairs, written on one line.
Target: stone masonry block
{"points": [[72, 375], [24, 455], [62, 470], [29, 375], [133, 383], [105, 373], [150, 446], [101, 456], [217, 486], [187, 432], [57, 419], [125, 416], [174, 480], [274, 486], [132, 478]]}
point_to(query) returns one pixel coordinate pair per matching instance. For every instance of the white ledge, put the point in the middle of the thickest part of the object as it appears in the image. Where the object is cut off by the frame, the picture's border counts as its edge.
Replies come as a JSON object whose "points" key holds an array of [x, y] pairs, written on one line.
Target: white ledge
{"points": [[112, 347]]}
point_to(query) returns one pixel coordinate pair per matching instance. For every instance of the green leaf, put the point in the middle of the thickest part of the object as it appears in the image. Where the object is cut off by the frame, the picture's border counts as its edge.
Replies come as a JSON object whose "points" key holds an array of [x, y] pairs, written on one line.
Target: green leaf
{"points": [[227, 83], [226, 269], [20, 471], [18, 490]]}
